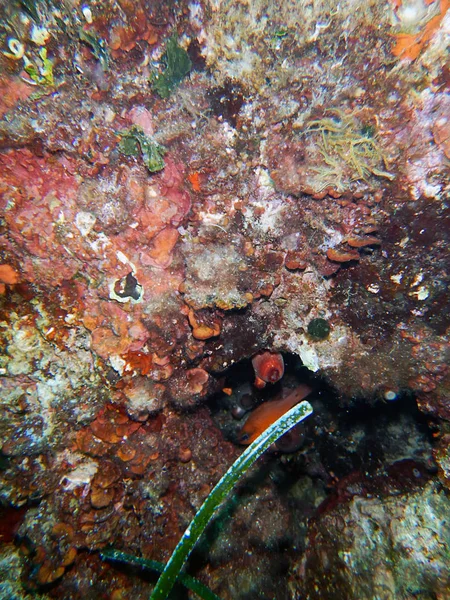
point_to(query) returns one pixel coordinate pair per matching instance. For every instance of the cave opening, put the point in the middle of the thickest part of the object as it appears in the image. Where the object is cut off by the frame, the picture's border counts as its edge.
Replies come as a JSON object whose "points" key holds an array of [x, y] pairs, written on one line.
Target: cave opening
{"points": [[367, 439], [365, 447]]}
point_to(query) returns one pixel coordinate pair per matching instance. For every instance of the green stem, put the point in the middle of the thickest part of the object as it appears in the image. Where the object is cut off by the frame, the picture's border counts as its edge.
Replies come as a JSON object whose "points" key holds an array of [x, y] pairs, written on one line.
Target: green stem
{"points": [[248, 457], [191, 583]]}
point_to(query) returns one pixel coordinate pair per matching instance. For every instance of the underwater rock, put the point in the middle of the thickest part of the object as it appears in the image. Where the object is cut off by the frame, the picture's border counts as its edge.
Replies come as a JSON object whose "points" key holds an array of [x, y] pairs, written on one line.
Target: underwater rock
{"points": [[378, 546], [283, 191]]}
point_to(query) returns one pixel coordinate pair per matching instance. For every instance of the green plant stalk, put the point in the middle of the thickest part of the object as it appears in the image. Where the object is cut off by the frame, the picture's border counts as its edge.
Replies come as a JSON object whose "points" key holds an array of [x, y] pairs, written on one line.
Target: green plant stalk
{"points": [[191, 583], [220, 492]]}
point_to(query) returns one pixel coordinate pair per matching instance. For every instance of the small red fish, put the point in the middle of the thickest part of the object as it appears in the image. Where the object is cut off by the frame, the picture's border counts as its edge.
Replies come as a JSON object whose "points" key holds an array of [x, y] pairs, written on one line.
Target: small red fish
{"points": [[268, 412]]}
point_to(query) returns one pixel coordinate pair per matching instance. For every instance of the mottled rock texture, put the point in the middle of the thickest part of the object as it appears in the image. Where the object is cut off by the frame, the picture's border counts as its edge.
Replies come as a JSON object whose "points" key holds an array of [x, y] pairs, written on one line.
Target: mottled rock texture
{"points": [[183, 186]]}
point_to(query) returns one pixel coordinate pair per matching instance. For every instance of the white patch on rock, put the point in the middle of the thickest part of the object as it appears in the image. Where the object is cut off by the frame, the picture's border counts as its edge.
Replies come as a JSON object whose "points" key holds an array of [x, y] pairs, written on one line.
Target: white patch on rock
{"points": [[80, 476], [84, 222], [117, 363]]}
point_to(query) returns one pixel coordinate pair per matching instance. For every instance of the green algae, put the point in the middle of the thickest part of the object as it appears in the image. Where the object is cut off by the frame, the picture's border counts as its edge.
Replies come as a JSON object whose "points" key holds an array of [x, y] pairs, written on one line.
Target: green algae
{"points": [[97, 45], [319, 329], [153, 565], [177, 66], [134, 142], [41, 72]]}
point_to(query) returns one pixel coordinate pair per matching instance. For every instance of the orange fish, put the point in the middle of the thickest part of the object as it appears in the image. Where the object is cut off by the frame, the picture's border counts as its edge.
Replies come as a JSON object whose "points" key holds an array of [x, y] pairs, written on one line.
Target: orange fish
{"points": [[267, 413]]}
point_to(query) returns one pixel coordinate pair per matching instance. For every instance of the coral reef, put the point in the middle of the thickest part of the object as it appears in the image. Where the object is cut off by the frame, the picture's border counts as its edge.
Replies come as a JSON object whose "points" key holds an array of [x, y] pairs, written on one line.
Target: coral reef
{"points": [[186, 188]]}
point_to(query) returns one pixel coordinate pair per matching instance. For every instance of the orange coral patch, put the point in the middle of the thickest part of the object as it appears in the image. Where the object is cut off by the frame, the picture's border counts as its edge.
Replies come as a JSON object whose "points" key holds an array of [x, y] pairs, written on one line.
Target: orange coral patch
{"points": [[138, 361], [341, 255], [295, 260], [163, 244], [410, 45], [359, 242], [12, 90], [194, 179], [197, 379], [8, 275], [105, 343], [203, 331], [48, 573]]}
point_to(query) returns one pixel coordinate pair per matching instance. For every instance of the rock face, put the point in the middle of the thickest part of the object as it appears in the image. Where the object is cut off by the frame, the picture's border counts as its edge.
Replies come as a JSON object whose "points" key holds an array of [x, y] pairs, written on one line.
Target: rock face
{"points": [[384, 549], [182, 189]]}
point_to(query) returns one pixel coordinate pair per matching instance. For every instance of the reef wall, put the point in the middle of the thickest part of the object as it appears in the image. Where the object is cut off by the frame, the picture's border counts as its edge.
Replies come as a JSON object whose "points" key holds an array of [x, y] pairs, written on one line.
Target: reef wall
{"points": [[183, 186]]}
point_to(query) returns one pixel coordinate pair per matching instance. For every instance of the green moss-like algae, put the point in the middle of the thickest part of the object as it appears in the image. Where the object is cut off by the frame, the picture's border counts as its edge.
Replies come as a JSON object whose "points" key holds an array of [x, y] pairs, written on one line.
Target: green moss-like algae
{"points": [[178, 64], [135, 142], [319, 329]]}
